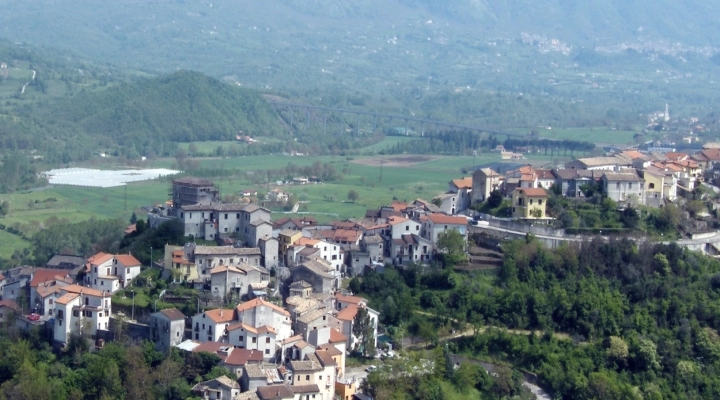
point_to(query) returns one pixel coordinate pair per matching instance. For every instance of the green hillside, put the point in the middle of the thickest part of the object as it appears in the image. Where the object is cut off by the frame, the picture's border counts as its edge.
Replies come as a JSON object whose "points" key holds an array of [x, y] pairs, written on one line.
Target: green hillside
{"points": [[140, 118]]}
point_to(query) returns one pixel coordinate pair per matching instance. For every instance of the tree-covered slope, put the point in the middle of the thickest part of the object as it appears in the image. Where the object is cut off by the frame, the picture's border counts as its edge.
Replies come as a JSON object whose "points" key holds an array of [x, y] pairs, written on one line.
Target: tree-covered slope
{"points": [[147, 116]]}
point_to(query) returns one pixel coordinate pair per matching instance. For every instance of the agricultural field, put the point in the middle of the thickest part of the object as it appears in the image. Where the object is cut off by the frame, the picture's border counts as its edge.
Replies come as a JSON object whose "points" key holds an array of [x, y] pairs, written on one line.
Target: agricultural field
{"points": [[593, 135], [404, 178]]}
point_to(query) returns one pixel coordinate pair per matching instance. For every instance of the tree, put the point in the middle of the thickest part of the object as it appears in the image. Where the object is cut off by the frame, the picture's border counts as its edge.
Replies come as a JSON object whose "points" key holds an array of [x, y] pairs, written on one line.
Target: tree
{"points": [[133, 218], [363, 328], [353, 195], [452, 244], [495, 199], [436, 201], [4, 208]]}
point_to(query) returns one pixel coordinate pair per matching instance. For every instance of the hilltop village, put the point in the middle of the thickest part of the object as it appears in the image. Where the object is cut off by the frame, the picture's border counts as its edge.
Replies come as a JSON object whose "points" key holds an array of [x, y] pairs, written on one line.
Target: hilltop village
{"points": [[275, 308]]}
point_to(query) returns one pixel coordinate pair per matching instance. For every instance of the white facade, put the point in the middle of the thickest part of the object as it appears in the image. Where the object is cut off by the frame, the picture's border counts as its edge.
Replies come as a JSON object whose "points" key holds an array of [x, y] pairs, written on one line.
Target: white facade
{"points": [[81, 310], [209, 326], [110, 273], [210, 220], [262, 339], [258, 313], [436, 224], [235, 280]]}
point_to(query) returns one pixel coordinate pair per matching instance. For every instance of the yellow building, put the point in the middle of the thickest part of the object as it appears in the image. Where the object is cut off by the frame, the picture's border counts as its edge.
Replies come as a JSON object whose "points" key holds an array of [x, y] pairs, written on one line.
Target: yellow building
{"points": [[181, 269], [529, 203], [286, 238]]}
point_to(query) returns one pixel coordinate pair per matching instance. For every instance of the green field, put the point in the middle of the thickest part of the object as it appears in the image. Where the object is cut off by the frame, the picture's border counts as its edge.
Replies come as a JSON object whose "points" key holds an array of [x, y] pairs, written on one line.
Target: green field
{"points": [[593, 135]]}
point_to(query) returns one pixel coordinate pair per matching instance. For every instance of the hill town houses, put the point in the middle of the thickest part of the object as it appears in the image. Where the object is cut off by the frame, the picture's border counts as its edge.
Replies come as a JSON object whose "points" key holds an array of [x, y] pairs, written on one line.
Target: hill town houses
{"points": [[273, 307]]}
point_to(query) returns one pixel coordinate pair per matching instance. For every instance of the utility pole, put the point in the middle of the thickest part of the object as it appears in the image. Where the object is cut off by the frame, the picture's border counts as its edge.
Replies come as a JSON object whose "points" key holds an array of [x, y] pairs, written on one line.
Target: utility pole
{"points": [[125, 201], [132, 317]]}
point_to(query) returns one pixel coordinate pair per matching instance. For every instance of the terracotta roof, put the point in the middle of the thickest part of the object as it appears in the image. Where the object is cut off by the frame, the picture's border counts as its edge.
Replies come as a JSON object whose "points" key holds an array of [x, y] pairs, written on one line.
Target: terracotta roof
{"points": [[43, 275], [303, 241], [398, 205], [243, 356], [220, 315], [676, 156], [84, 290], [464, 183], [260, 302], [130, 229], [9, 303], [211, 347], [336, 336], [447, 219], [348, 313], [544, 174], [532, 192], [632, 154], [349, 299], [66, 298], [173, 314], [128, 260], [393, 220], [99, 258], [251, 329], [2, 277]]}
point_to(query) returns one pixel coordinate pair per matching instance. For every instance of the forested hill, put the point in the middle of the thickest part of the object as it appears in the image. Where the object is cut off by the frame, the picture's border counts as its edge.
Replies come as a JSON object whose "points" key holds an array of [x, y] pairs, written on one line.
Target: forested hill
{"points": [[148, 115]]}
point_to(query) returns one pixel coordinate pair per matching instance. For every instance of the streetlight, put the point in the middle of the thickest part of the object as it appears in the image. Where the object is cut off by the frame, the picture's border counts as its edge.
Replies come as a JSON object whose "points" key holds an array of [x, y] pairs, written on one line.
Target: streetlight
{"points": [[133, 306]]}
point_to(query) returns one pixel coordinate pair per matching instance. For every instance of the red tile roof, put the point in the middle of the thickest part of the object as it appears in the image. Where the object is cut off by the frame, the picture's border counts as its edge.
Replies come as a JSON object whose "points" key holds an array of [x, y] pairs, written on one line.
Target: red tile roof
{"points": [[220, 315], [43, 275], [99, 258], [348, 313], [447, 219], [260, 302], [66, 298], [77, 289], [128, 260], [396, 220], [348, 299], [464, 183], [336, 336], [243, 356], [533, 192], [2, 277]]}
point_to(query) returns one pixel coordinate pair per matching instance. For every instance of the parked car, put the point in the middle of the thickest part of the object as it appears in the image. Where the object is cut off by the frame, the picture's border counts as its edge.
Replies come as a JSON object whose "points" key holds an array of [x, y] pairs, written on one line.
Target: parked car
{"points": [[370, 369]]}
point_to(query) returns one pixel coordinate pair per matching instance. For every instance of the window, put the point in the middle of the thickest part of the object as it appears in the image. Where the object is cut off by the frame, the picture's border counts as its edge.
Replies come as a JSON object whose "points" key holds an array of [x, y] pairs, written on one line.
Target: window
{"points": [[76, 313], [417, 227], [617, 185], [267, 340], [102, 283], [629, 185], [177, 334], [100, 315], [651, 186], [241, 338], [307, 377], [407, 228], [540, 201], [182, 215], [267, 351], [51, 301], [237, 216], [531, 201], [254, 340]]}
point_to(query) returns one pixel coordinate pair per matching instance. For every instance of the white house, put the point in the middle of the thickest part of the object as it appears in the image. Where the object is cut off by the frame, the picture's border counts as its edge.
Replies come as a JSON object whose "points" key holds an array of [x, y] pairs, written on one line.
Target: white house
{"points": [[262, 339], [209, 221], [258, 313], [81, 310], [107, 272], [434, 224], [210, 326]]}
